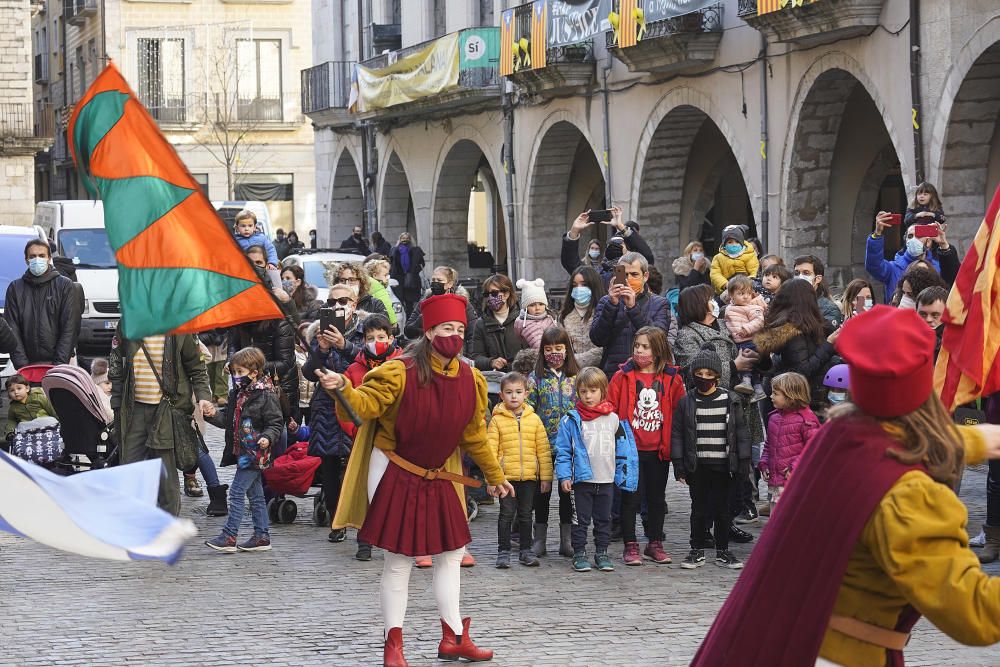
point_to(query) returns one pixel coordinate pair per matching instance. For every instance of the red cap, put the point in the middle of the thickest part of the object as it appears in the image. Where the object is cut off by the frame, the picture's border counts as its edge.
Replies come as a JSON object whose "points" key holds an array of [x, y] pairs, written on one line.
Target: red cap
{"points": [[443, 308], [890, 352]]}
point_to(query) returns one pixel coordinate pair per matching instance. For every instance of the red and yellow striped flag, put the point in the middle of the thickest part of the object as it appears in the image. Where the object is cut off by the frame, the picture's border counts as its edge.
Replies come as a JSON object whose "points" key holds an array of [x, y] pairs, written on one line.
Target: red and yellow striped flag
{"points": [[768, 6], [628, 23], [539, 33], [967, 366], [507, 43]]}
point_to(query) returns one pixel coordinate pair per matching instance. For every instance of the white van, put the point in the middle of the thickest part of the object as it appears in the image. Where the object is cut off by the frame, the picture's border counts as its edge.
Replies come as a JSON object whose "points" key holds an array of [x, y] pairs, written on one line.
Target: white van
{"points": [[77, 228]]}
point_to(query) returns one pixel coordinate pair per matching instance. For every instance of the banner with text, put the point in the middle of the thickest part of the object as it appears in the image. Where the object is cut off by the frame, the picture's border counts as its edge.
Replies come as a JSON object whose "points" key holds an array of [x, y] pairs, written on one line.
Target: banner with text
{"points": [[430, 71], [573, 21], [656, 10]]}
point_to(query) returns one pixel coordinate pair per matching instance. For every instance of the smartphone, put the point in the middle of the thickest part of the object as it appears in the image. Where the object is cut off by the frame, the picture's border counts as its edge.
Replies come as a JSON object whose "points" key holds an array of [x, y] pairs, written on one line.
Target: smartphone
{"points": [[334, 317], [895, 219], [620, 276], [437, 288], [601, 215], [926, 231]]}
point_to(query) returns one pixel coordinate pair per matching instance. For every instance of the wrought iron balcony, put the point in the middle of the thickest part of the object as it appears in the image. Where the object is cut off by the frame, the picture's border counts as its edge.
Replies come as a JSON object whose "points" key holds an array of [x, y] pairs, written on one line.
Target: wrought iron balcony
{"points": [[25, 130], [326, 93], [76, 12], [673, 44], [566, 68], [815, 21]]}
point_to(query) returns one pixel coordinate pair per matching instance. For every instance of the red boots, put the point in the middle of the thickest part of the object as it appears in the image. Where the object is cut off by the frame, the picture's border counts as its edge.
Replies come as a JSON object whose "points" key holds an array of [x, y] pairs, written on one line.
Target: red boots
{"points": [[392, 656], [453, 648]]}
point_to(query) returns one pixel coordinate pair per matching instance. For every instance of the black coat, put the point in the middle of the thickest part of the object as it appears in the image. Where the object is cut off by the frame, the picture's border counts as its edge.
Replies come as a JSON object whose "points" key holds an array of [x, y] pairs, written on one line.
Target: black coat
{"points": [[684, 437], [44, 314], [785, 349], [358, 245], [384, 248], [409, 281], [264, 412], [276, 339], [492, 340]]}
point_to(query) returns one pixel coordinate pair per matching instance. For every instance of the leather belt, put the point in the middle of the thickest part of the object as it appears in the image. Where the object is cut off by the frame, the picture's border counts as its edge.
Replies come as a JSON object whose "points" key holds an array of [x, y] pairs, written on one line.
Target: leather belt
{"points": [[871, 634], [430, 474]]}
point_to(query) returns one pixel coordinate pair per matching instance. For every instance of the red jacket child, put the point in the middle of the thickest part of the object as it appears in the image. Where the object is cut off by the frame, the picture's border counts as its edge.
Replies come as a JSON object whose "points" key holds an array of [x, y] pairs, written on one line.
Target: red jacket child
{"points": [[647, 401], [364, 362]]}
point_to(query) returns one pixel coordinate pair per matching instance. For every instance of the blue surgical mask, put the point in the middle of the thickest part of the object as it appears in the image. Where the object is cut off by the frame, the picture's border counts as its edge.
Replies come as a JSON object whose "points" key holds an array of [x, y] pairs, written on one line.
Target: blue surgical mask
{"points": [[581, 295], [836, 397], [38, 265], [594, 253], [733, 248], [695, 256], [914, 247]]}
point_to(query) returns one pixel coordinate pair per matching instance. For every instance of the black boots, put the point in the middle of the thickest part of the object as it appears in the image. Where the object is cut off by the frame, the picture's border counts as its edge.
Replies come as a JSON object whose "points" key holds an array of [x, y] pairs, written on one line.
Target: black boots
{"points": [[217, 505]]}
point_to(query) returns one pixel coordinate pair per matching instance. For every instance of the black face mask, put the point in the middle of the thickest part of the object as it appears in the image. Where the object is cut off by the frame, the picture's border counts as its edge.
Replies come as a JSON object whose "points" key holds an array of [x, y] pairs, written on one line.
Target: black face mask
{"points": [[705, 385], [613, 252]]}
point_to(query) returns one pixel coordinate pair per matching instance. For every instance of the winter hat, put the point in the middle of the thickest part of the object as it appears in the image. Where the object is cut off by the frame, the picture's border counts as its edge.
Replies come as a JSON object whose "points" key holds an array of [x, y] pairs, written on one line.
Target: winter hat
{"points": [[448, 308], [532, 291], [734, 232], [708, 358], [99, 371], [900, 378]]}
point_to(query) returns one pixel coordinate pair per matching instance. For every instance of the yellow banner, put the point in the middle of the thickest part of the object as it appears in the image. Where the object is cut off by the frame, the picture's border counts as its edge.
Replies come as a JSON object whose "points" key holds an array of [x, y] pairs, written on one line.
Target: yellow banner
{"points": [[430, 71]]}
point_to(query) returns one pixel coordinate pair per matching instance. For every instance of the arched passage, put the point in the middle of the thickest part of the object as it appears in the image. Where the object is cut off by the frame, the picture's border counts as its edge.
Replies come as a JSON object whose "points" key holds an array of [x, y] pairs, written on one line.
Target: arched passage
{"points": [[691, 187], [565, 180], [347, 200], [396, 207], [970, 170], [837, 181], [468, 225]]}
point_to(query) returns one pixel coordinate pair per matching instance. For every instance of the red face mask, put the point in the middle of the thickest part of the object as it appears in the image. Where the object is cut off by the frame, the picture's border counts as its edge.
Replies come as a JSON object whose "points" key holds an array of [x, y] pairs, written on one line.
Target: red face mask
{"points": [[448, 347]]}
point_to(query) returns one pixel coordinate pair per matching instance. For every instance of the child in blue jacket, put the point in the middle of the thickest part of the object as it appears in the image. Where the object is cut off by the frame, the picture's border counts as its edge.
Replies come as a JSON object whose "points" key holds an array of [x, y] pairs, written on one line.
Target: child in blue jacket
{"points": [[249, 235], [595, 451]]}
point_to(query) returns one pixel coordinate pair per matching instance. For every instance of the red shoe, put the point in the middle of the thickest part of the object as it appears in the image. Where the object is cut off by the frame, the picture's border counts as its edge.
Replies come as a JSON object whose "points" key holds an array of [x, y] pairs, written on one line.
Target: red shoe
{"points": [[423, 562], [468, 560], [392, 655], [453, 648], [654, 551], [631, 554]]}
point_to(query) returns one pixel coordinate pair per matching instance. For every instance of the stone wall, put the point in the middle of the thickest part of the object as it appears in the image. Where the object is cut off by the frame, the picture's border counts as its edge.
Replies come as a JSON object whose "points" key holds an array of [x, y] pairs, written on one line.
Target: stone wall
{"points": [[17, 146]]}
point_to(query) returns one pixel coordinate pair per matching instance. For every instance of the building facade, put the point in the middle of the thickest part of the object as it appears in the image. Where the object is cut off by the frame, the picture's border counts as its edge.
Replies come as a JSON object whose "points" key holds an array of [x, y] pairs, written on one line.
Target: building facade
{"points": [[800, 122], [219, 76]]}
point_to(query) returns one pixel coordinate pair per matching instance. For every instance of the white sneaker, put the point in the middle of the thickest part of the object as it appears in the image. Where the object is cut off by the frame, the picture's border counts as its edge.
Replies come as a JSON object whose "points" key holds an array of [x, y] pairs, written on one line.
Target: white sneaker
{"points": [[979, 541], [744, 388]]}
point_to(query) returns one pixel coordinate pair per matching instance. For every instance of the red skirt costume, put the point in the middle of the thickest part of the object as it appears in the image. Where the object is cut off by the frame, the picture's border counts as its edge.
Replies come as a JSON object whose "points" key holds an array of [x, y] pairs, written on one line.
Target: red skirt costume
{"points": [[410, 515]]}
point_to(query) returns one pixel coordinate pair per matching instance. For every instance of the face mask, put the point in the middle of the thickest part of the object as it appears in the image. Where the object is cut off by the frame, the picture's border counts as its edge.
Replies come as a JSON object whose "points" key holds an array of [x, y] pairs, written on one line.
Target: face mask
{"points": [[868, 304], [242, 382], [377, 348], [713, 308], [637, 284], [914, 247], [288, 285], [705, 385], [696, 256], [642, 359], [448, 347], [809, 279], [437, 288], [613, 252], [496, 303], [733, 249], [836, 397], [38, 265], [907, 302], [594, 254], [555, 359], [581, 295]]}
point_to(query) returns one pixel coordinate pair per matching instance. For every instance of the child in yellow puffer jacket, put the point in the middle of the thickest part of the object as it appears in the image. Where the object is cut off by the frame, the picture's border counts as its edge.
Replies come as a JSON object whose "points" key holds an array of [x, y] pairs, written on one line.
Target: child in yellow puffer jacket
{"points": [[736, 255], [517, 435]]}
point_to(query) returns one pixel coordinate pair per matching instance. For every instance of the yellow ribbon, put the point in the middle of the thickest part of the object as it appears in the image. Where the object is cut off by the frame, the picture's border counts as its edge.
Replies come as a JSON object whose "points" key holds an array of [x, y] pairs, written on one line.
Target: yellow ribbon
{"points": [[640, 18], [763, 149], [526, 58], [616, 25], [916, 126]]}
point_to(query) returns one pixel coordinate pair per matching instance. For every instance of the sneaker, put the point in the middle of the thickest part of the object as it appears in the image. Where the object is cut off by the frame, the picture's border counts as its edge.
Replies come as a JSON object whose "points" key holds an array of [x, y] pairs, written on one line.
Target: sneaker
{"points": [[979, 541], [739, 536], [423, 562], [224, 543], [256, 543], [631, 554], [695, 558], [758, 394], [580, 562], [744, 387], [338, 535], [749, 515], [727, 560], [528, 558], [603, 561], [191, 487], [503, 560], [364, 552], [655, 552]]}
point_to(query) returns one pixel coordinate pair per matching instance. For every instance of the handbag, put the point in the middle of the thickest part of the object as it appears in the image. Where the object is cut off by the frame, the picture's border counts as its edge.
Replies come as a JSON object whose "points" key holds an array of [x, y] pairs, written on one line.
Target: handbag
{"points": [[38, 441], [186, 442]]}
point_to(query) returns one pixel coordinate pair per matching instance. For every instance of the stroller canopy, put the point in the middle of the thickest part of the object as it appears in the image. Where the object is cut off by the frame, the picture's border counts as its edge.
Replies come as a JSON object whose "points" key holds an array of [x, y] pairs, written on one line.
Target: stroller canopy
{"points": [[79, 383]]}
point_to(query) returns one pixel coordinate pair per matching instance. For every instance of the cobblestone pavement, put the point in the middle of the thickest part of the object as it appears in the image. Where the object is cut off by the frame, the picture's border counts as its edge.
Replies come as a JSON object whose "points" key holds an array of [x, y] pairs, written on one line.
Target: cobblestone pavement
{"points": [[308, 602]]}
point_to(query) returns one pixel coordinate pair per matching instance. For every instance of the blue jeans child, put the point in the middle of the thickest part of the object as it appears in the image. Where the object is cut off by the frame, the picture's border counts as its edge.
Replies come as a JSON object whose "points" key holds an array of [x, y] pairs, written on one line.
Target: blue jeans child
{"points": [[753, 378], [246, 484]]}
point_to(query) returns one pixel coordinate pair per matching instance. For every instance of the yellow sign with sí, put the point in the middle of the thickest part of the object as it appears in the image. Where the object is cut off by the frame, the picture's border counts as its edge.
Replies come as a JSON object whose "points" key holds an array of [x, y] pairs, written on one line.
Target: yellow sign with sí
{"points": [[430, 71]]}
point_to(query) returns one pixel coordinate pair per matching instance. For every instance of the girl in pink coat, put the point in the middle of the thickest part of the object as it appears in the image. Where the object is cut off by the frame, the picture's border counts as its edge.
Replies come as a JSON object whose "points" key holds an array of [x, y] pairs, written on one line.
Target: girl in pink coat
{"points": [[789, 429]]}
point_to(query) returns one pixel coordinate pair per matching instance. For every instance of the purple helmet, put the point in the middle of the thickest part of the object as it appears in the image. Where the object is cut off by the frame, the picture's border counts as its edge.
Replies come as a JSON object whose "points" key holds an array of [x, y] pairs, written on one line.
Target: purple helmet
{"points": [[838, 377]]}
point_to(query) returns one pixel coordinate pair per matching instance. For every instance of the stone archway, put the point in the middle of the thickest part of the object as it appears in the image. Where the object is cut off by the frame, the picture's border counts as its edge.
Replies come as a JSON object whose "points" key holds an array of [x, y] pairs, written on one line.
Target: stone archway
{"points": [[347, 200], [396, 208]]}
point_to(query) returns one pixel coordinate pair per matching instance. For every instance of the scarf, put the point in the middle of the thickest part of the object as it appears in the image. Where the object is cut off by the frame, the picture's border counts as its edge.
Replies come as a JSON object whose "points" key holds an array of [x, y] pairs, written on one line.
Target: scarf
{"points": [[261, 384], [404, 257], [589, 414]]}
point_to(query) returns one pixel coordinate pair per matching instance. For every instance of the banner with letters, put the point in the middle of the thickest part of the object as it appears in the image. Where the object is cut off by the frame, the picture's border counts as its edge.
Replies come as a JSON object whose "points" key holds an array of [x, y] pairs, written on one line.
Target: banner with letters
{"points": [[656, 10], [430, 71], [574, 21]]}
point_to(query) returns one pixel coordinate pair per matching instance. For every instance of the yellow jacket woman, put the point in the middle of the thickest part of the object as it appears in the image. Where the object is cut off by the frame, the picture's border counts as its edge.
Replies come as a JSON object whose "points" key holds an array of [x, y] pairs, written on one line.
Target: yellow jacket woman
{"points": [[520, 444]]}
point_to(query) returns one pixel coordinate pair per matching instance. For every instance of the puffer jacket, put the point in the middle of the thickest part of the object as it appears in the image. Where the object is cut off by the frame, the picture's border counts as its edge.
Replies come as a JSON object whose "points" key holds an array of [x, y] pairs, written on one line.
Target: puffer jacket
{"points": [[745, 321], [520, 443], [725, 267], [684, 437], [531, 330], [493, 340], [573, 462], [276, 339], [415, 323], [613, 327], [695, 334], [36, 406], [44, 314], [587, 354], [378, 292], [784, 348], [552, 396], [788, 433], [326, 436]]}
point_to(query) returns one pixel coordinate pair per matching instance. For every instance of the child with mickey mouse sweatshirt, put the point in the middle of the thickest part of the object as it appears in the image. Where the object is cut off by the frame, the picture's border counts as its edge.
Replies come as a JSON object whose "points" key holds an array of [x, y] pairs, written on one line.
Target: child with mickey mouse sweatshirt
{"points": [[645, 391]]}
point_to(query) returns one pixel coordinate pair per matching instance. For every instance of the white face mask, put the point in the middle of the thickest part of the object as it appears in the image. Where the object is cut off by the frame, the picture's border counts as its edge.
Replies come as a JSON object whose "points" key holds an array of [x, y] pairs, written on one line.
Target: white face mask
{"points": [[914, 247], [836, 397], [907, 302], [695, 256], [713, 307], [809, 279]]}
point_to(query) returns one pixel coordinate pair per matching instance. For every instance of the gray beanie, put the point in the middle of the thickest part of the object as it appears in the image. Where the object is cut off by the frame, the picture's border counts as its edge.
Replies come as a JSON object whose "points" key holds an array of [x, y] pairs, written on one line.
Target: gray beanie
{"points": [[707, 358], [734, 232]]}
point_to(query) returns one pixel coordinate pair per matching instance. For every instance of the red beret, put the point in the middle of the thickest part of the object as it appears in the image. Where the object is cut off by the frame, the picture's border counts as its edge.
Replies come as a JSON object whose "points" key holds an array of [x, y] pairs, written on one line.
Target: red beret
{"points": [[443, 308], [890, 352]]}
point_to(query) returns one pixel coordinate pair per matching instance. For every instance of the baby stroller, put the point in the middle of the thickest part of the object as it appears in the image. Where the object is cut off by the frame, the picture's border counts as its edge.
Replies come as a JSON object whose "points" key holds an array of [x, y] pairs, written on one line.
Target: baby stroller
{"points": [[86, 421], [293, 473]]}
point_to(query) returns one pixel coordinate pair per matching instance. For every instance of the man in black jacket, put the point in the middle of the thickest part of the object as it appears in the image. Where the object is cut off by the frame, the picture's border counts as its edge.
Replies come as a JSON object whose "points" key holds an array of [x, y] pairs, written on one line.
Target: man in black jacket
{"points": [[43, 311], [357, 242]]}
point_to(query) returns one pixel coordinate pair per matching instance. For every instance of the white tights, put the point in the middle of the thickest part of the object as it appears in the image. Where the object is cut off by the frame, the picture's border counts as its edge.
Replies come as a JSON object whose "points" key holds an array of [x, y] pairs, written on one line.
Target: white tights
{"points": [[396, 572]]}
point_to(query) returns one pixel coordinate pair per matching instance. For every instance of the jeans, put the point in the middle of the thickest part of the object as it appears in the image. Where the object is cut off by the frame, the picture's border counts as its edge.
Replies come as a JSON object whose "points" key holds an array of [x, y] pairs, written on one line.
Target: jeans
{"points": [[593, 501], [709, 504], [542, 501], [207, 467], [652, 487], [246, 484], [519, 505]]}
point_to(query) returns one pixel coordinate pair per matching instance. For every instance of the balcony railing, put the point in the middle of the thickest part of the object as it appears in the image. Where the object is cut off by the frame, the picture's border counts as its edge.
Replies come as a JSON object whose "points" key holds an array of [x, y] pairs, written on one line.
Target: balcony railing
{"points": [[41, 68], [18, 120], [708, 19], [746, 8], [326, 86], [77, 11], [268, 109], [814, 22]]}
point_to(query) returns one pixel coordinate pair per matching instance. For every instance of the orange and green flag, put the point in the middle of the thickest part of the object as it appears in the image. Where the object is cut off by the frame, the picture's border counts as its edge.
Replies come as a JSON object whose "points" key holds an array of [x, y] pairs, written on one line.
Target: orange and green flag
{"points": [[179, 268]]}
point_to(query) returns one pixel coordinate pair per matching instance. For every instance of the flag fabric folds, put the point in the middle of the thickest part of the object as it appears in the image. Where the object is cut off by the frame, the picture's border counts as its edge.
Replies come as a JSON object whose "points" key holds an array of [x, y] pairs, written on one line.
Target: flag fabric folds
{"points": [[109, 513], [967, 365], [179, 268]]}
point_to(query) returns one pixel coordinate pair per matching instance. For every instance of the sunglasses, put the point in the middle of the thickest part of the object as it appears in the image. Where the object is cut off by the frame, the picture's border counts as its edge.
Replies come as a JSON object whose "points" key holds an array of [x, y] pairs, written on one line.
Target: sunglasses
{"points": [[343, 301], [496, 292]]}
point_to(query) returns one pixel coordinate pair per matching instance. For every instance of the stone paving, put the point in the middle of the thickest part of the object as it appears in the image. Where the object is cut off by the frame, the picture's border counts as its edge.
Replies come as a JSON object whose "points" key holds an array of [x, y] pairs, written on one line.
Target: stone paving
{"points": [[308, 602]]}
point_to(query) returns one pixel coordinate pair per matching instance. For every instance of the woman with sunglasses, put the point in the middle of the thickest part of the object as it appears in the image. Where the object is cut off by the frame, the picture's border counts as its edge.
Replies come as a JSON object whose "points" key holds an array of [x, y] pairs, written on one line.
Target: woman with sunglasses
{"points": [[494, 342], [353, 275]]}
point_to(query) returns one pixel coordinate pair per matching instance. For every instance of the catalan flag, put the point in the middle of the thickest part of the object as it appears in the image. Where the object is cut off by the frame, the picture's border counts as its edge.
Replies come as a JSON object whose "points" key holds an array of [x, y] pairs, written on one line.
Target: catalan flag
{"points": [[628, 23], [539, 33], [507, 43], [768, 6], [967, 365]]}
